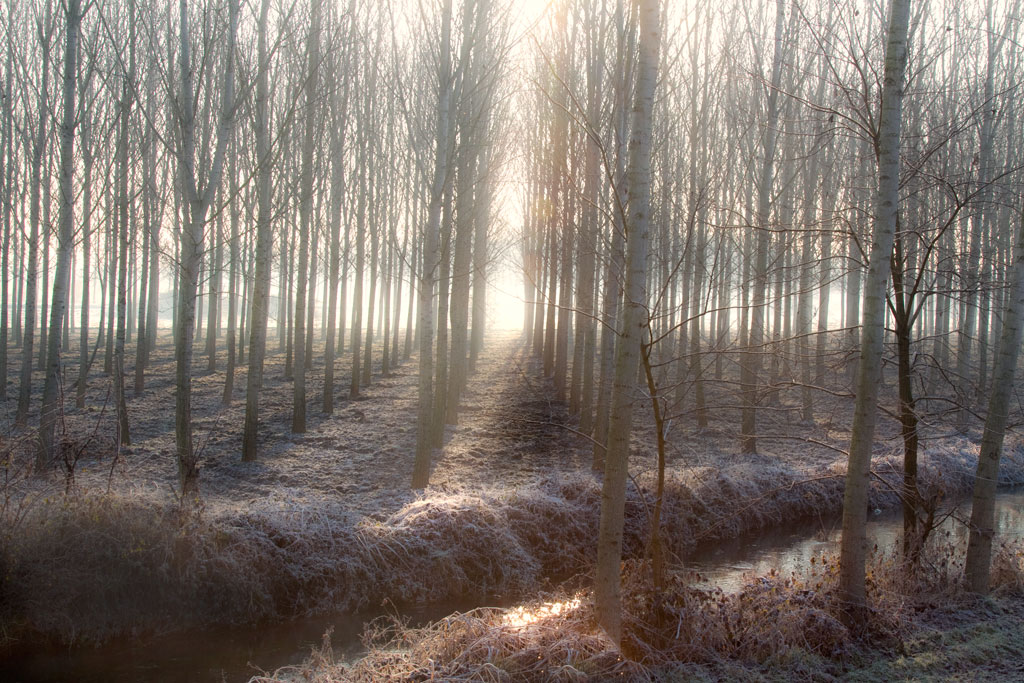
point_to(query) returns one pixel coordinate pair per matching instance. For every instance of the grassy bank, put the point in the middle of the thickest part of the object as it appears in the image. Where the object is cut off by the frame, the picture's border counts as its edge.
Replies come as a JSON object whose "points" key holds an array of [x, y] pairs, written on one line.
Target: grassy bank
{"points": [[922, 626], [90, 567]]}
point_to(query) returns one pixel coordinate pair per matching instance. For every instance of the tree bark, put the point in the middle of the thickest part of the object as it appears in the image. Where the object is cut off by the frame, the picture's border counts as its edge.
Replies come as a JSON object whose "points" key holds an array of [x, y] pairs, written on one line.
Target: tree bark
{"points": [[853, 548], [982, 529], [607, 583], [48, 450]]}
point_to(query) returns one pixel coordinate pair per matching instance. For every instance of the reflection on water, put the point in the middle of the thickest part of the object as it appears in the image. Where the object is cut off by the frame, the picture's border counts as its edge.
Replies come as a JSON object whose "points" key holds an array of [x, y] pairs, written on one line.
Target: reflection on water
{"points": [[727, 563], [225, 654]]}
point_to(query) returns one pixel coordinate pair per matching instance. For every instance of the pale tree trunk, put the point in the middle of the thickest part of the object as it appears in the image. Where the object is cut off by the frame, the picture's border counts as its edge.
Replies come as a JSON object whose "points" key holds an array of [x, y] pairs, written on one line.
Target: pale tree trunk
{"points": [[314, 250], [306, 220], [357, 285], [979, 224], [148, 207], [414, 262], [45, 272], [853, 548], [586, 326], [7, 176], [48, 450], [481, 222], [751, 367], [213, 297], [979, 546], [607, 582], [264, 240], [459, 308], [377, 215], [614, 259], [337, 191], [827, 205], [443, 280], [562, 223], [31, 275], [196, 207], [111, 294], [395, 354], [803, 308], [234, 208], [153, 308], [127, 99], [429, 265]]}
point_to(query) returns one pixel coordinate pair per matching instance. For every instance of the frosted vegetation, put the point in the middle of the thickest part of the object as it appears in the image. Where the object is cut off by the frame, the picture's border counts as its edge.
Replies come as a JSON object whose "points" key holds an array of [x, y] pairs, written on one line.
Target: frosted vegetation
{"points": [[308, 308]]}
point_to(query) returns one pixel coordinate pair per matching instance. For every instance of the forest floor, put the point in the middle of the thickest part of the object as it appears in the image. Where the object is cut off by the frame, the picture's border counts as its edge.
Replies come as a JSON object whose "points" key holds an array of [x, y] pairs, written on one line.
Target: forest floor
{"points": [[325, 521]]}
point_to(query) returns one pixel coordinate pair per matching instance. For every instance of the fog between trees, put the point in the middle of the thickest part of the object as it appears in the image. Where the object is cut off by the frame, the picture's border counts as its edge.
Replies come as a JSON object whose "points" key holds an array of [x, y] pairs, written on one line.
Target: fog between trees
{"points": [[709, 208]]}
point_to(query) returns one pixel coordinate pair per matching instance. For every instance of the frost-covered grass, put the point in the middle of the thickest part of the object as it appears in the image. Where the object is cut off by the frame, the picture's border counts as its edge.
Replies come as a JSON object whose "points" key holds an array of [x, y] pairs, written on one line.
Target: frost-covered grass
{"points": [[91, 566], [773, 629]]}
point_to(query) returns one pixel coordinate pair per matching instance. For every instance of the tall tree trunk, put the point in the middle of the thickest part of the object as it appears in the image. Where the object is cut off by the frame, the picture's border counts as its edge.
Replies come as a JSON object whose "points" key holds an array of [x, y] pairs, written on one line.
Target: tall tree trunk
{"points": [[31, 274], [429, 265], [459, 308], [234, 208], [979, 545], [48, 450], [853, 548], [357, 285], [337, 191], [751, 367], [7, 176], [264, 240], [196, 206], [124, 212], [615, 259], [607, 582], [306, 220], [213, 304]]}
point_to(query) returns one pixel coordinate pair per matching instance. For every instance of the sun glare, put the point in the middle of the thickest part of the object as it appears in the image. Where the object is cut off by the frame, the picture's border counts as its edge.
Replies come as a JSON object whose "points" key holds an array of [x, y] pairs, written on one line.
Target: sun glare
{"points": [[524, 616]]}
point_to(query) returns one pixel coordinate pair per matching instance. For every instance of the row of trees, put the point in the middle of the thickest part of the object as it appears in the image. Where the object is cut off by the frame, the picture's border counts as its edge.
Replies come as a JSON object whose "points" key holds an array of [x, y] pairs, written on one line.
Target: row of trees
{"points": [[740, 203], [272, 160], [806, 158]]}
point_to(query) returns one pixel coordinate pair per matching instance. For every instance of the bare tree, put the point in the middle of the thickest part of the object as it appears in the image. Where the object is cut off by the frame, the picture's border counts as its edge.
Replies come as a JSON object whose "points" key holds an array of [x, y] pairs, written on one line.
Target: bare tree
{"points": [[65, 239], [607, 582], [853, 549], [197, 196]]}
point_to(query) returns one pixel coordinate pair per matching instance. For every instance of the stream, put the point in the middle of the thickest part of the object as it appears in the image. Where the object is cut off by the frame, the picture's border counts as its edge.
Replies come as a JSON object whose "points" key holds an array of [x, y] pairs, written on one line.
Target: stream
{"points": [[229, 654]]}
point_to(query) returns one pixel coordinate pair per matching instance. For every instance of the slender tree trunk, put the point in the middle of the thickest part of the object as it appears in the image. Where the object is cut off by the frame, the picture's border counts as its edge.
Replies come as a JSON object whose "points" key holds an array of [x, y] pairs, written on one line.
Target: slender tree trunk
{"points": [[459, 309], [607, 582], [124, 211], [337, 190], [979, 546], [196, 206], [306, 219], [428, 272], [357, 285], [853, 548], [216, 262], [752, 362], [48, 450], [31, 274], [615, 259], [235, 257], [264, 240], [7, 176]]}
